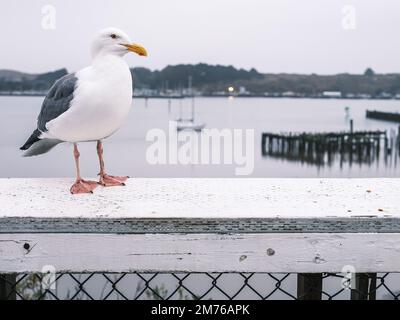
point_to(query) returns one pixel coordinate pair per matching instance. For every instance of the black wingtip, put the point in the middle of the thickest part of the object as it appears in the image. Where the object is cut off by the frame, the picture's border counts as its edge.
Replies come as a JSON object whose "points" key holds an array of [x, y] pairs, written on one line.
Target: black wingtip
{"points": [[31, 140]]}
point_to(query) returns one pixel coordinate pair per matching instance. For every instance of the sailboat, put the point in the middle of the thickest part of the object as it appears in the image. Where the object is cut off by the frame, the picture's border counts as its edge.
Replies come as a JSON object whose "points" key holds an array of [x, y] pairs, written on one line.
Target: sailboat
{"points": [[189, 124]]}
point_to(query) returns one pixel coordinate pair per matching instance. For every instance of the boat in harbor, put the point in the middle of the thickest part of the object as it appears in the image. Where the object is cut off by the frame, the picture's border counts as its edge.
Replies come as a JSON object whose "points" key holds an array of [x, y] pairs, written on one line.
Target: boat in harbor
{"points": [[189, 124]]}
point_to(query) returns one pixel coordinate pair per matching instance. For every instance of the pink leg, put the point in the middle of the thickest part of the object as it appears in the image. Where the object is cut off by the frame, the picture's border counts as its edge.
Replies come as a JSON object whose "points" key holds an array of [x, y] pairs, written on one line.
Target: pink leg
{"points": [[105, 179], [80, 185]]}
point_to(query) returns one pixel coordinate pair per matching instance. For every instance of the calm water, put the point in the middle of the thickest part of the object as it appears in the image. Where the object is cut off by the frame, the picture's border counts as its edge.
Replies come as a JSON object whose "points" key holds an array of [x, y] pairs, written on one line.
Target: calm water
{"points": [[125, 151]]}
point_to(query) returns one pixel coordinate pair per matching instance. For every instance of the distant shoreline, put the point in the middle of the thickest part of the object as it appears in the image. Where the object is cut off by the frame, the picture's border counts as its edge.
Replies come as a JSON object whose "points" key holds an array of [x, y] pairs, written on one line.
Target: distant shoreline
{"points": [[29, 94], [186, 80]]}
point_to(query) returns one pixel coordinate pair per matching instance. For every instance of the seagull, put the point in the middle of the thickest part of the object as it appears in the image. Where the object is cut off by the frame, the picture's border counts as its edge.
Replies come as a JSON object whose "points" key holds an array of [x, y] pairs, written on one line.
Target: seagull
{"points": [[88, 105]]}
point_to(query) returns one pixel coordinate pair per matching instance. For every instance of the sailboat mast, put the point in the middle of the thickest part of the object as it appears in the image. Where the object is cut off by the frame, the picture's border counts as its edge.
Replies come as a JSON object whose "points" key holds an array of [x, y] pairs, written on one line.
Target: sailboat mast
{"points": [[190, 92]]}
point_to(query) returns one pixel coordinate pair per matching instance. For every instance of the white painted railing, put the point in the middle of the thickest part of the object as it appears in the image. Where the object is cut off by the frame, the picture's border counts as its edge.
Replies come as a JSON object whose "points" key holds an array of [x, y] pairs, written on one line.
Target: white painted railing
{"points": [[205, 225]]}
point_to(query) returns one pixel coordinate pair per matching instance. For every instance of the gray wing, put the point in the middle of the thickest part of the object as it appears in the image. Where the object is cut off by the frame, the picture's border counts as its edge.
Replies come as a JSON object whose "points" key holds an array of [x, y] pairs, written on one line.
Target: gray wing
{"points": [[57, 101]]}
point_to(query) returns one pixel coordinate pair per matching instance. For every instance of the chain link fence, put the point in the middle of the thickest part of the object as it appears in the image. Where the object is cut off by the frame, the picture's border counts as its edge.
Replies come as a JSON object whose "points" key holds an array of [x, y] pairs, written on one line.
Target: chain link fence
{"points": [[199, 286]]}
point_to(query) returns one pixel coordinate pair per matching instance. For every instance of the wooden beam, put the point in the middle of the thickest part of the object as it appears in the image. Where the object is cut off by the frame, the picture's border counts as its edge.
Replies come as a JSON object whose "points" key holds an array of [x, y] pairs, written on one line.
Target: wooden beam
{"points": [[365, 287], [8, 286], [279, 252], [309, 286]]}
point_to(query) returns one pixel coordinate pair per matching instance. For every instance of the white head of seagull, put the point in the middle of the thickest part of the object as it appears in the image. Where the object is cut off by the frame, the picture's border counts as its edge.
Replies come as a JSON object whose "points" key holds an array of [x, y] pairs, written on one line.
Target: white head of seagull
{"points": [[112, 41]]}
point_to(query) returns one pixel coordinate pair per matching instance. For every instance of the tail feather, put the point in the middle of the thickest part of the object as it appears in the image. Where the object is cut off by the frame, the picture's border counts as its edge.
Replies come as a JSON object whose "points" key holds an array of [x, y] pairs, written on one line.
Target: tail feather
{"points": [[41, 146]]}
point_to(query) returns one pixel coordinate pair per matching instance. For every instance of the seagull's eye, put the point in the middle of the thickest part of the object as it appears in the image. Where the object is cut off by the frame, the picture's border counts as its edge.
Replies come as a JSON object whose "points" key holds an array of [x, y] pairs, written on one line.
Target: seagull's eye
{"points": [[114, 36]]}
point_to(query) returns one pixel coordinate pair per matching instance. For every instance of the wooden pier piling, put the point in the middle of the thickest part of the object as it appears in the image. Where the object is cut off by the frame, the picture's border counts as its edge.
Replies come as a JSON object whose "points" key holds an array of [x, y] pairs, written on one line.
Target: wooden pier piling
{"points": [[386, 116], [322, 148]]}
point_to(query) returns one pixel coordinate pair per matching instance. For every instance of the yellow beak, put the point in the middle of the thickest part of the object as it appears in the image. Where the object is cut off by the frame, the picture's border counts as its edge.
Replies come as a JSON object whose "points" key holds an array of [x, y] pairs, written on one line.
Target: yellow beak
{"points": [[141, 51]]}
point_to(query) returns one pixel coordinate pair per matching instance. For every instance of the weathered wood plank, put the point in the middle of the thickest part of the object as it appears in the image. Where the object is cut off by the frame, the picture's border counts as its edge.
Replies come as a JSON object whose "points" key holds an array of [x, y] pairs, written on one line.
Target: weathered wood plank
{"points": [[205, 198], [298, 253]]}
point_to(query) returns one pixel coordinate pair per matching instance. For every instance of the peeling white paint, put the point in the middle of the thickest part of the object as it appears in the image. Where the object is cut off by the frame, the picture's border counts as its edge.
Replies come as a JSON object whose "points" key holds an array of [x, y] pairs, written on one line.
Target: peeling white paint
{"points": [[200, 252]]}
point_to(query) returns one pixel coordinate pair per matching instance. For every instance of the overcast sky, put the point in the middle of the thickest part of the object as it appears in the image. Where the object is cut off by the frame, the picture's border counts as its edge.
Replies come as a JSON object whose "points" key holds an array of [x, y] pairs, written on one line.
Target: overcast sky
{"points": [[300, 36]]}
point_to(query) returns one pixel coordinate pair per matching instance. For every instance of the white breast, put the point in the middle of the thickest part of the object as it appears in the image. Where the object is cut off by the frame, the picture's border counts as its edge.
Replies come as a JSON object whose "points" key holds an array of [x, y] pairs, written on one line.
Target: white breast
{"points": [[101, 102]]}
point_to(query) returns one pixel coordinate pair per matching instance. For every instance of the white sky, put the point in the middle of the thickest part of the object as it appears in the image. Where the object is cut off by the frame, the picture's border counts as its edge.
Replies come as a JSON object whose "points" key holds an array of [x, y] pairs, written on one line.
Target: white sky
{"points": [[300, 36]]}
